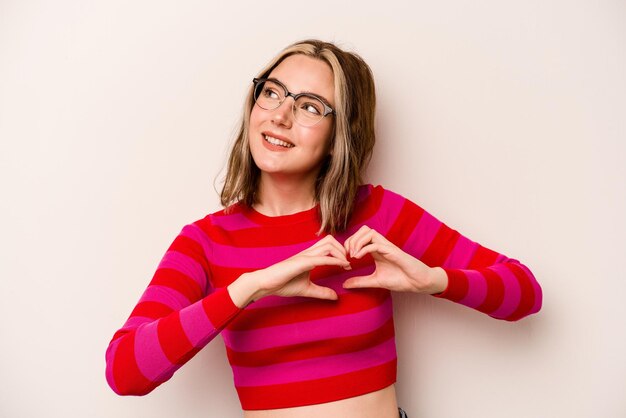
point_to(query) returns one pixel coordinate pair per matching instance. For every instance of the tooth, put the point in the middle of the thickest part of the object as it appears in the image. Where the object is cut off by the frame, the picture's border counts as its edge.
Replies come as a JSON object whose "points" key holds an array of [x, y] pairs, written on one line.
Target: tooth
{"points": [[277, 141]]}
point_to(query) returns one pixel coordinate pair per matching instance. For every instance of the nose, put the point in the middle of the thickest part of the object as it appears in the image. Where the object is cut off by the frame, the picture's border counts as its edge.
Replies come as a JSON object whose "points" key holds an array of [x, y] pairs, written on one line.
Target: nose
{"points": [[283, 114]]}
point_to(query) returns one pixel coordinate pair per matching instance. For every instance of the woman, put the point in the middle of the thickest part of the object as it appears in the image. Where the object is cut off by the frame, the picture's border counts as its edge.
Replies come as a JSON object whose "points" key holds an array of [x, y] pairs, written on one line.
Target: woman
{"points": [[296, 272]]}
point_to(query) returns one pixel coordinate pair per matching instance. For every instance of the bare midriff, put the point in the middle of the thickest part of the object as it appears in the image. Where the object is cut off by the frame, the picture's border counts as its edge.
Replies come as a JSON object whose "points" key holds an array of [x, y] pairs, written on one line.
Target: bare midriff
{"points": [[379, 404]]}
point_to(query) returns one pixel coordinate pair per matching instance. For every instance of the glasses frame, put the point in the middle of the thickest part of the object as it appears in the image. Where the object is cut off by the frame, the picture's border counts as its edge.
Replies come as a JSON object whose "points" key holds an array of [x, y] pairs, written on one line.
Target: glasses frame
{"points": [[327, 109]]}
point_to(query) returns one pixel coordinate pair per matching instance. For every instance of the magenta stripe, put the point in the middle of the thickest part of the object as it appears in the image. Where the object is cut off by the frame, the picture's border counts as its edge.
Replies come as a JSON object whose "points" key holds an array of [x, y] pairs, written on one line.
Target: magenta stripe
{"points": [[255, 257], [165, 295], [477, 290], [315, 368], [316, 330], [536, 289], [261, 257], [344, 235], [110, 356], [461, 254], [389, 210], [422, 235], [150, 358], [196, 324], [232, 222], [195, 233], [501, 258], [512, 292], [134, 322], [185, 265]]}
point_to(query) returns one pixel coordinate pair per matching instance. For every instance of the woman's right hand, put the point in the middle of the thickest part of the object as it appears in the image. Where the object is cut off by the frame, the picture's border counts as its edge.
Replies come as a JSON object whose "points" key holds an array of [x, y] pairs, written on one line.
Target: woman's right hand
{"points": [[291, 277]]}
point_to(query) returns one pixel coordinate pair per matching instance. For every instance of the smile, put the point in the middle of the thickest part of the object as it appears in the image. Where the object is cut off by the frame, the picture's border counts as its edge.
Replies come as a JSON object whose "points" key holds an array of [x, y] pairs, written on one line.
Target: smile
{"points": [[276, 141]]}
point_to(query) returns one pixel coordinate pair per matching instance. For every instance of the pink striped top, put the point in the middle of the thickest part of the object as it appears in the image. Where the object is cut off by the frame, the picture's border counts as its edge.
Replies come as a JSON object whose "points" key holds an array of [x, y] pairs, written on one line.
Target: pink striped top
{"points": [[287, 352]]}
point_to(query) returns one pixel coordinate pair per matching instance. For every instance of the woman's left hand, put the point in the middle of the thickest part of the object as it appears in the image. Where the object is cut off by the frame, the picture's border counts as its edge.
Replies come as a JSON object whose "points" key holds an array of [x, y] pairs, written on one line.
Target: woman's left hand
{"points": [[395, 269]]}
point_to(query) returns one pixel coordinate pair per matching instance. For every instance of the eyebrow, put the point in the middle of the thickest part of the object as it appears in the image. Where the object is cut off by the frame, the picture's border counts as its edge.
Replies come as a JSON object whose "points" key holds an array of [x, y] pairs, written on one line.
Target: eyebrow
{"points": [[304, 92]]}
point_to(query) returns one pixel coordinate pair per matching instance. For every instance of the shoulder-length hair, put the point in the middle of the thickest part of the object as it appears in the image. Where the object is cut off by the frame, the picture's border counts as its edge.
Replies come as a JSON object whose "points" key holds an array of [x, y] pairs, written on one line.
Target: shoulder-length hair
{"points": [[352, 139]]}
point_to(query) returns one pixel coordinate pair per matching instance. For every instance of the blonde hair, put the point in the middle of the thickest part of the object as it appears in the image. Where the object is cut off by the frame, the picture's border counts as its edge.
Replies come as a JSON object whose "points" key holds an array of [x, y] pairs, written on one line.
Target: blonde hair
{"points": [[352, 140]]}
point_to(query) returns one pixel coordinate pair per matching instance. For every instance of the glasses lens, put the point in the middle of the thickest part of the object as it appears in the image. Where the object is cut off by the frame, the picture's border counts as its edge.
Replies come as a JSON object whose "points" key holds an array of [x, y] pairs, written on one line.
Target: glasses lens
{"points": [[308, 110], [269, 95]]}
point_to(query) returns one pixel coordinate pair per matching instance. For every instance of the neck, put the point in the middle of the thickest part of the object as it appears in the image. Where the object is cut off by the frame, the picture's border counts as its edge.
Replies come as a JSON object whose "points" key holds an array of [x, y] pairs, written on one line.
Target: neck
{"points": [[284, 196]]}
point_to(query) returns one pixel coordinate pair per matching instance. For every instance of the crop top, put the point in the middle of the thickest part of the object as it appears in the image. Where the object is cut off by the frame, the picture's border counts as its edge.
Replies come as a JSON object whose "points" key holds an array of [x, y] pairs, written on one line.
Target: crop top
{"points": [[295, 351]]}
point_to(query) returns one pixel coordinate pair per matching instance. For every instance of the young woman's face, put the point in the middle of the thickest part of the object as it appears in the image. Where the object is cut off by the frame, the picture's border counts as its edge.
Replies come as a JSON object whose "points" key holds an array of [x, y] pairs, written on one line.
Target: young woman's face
{"points": [[301, 149]]}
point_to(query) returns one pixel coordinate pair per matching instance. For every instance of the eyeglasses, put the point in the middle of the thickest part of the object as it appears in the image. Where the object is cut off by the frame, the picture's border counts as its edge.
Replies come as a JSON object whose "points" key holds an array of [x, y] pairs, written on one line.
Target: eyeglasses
{"points": [[308, 109]]}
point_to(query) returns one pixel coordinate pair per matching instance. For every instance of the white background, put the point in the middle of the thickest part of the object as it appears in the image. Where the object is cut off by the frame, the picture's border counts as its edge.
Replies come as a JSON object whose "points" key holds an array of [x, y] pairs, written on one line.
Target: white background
{"points": [[505, 119]]}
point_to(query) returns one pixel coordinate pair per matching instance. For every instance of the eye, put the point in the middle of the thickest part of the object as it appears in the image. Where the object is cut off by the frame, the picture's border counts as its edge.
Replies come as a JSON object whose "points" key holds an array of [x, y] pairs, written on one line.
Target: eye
{"points": [[270, 93], [312, 107]]}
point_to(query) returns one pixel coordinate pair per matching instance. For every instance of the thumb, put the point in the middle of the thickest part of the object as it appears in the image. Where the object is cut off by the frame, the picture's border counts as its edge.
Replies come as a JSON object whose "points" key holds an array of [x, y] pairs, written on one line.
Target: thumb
{"points": [[320, 292], [360, 281]]}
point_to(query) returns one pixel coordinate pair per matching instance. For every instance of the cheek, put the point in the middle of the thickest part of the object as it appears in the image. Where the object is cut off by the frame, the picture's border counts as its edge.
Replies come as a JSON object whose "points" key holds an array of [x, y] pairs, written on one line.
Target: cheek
{"points": [[255, 122], [324, 139], [254, 116]]}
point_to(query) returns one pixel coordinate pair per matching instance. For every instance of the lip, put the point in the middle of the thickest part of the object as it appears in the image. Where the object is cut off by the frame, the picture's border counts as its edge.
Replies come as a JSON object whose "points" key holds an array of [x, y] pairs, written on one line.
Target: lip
{"points": [[274, 148], [273, 135]]}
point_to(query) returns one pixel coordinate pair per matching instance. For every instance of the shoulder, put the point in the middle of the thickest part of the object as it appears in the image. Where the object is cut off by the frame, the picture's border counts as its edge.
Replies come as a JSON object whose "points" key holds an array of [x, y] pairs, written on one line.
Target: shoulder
{"points": [[378, 193], [377, 204], [387, 204], [215, 217], [210, 220], [227, 220]]}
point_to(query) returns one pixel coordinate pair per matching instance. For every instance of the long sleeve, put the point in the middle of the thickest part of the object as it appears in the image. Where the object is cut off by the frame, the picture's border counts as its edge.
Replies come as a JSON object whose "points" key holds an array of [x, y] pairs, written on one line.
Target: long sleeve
{"points": [[178, 314], [478, 277]]}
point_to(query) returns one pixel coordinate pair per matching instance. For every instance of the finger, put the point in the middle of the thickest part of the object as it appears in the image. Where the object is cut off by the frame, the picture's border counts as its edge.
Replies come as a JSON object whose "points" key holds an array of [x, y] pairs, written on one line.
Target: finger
{"points": [[337, 253], [337, 248], [336, 244], [362, 241], [320, 292], [349, 244], [347, 241], [331, 241], [373, 237], [327, 239], [300, 264], [329, 248], [346, 244], [360, 282], [326, 260], [374, 247]]}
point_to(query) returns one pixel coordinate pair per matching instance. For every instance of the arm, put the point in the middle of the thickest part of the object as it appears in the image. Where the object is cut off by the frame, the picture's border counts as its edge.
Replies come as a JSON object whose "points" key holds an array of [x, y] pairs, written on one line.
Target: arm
{"points": [[475, 276], [177, 315]]}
